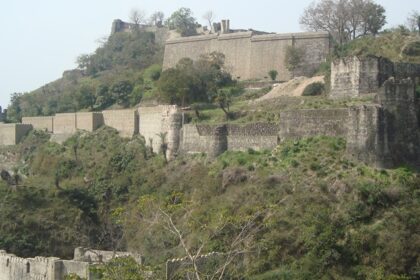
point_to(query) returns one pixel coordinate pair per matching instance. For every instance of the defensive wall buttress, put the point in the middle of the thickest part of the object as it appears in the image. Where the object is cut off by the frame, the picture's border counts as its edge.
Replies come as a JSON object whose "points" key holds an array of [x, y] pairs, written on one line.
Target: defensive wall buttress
{"points": [[251, 56]]}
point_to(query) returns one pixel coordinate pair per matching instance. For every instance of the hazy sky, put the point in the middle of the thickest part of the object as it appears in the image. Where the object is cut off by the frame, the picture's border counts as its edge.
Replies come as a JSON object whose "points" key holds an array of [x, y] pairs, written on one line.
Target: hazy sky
{"points": [[40, 39]]}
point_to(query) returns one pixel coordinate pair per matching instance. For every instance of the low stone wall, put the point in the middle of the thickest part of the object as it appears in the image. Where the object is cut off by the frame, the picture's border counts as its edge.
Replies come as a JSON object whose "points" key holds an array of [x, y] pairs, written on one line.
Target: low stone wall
{"points": [[257, 136], [89, 255], [125, 121], [12, 134], [41, 268], [305, 123], [215, 139], [40, 123], [38, 268]]}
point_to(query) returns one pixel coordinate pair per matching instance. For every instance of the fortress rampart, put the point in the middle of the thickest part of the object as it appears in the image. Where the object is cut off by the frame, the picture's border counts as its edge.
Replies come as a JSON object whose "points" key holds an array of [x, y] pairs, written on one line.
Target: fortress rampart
{"points": [[251, 56], [11, 134], [41, 268], [360, 76], [385, 133]]}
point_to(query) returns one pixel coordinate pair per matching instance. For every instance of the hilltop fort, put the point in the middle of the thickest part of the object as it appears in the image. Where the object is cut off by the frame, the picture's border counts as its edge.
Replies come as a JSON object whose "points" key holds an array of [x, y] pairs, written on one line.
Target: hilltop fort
{"points": [[252, 54], [383, 133]]}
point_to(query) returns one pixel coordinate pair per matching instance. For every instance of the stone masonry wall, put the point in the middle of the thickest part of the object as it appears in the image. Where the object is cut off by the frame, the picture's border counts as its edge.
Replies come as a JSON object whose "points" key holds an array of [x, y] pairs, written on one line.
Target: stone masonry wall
{"points": [[125, 121], [305, 123], [215, 139], [40, 123], [160, 119], [89, 121], [41, 268], [249, 56], [358, 76], [11, 134], [366, 138], [65, 123], [353, 77], [402, 112]]}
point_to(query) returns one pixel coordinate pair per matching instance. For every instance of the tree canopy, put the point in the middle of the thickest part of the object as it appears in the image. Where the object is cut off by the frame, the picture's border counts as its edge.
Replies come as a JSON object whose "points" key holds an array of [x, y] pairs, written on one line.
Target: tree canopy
{"points": [[191, 82], [183, 22], [344, 19]]}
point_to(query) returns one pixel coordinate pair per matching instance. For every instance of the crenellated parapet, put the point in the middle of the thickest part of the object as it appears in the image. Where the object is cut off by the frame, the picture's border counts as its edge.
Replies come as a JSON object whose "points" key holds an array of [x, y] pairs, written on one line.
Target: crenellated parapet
{"points": [[51, 268]]}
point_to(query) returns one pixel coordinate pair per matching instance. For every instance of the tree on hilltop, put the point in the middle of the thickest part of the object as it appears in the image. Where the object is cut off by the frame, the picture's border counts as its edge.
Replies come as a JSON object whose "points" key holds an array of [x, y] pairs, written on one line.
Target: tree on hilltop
{"points": [[345, 20], [209, 16], [183, 22], [413, 21], [157, 18], [137, 17]]}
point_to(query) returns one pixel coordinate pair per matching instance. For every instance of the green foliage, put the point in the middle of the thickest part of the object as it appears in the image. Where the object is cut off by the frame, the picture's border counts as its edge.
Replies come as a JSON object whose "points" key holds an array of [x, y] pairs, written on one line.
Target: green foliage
{"points": [[73, 276], [192, 82], [120, 91], [412, 49], [398, 45], [310, 212], [183, 22], [293, 58], [273, 74], [313, 89], [86, 97], [153, 72], [98, 83], [121, 268]]}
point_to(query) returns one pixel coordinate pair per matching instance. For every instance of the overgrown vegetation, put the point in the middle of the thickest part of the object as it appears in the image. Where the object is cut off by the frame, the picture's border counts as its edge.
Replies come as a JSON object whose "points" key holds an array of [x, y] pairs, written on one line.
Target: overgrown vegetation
{"points": [[307, 209]]}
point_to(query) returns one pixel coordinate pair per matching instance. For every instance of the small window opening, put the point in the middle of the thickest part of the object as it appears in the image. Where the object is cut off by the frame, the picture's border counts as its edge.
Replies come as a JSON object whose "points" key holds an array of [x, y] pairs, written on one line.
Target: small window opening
{"points": [[28, 268]]}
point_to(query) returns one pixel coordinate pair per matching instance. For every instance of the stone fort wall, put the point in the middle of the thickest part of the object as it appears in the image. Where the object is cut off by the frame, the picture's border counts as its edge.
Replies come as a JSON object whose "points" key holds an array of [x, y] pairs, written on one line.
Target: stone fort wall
{"points": [[11, 134], [157, 120], [360, 76], [41, 268], [216, 139], [250, 56], [40, 123], [384, 134], [126, 122]]}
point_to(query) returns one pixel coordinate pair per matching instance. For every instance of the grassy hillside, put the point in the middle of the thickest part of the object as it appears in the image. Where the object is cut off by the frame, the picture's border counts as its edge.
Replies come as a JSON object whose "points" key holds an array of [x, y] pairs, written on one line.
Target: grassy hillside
{"points": [[398, 45], [302, 211]]}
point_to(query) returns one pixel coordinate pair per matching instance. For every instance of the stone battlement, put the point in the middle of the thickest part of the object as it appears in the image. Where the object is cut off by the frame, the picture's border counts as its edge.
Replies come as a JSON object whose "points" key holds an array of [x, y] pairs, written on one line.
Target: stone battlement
{"points": [[51, 268]]}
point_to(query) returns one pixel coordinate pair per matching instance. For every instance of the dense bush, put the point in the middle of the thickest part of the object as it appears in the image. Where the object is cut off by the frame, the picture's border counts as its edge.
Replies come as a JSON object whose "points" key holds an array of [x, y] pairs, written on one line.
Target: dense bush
{"points": [[314, 89]]}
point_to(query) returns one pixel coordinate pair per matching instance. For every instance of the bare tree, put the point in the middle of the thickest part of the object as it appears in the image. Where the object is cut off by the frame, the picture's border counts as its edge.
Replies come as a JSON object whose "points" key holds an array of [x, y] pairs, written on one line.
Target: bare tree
{"points": [[157, 18], [209, 16], [162, 215], [137, 17], [344, 19], [413, 21]]}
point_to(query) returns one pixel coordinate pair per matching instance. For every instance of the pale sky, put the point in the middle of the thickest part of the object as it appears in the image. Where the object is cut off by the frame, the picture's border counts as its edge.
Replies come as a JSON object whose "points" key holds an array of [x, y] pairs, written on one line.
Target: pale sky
{"points": [[42, 38]]}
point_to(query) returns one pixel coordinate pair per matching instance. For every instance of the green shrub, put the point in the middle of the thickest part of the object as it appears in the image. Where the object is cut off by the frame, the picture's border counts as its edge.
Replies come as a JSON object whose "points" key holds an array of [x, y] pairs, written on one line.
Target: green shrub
{"points": [[273, 74], [314, 89]]}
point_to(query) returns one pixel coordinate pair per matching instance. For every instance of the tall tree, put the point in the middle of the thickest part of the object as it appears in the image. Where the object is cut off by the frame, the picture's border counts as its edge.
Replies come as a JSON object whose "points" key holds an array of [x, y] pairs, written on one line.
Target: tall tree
{"points": [[183, 22], [344, 19], [137, 17], [157, 18], [413, 21], [209, 16]]}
